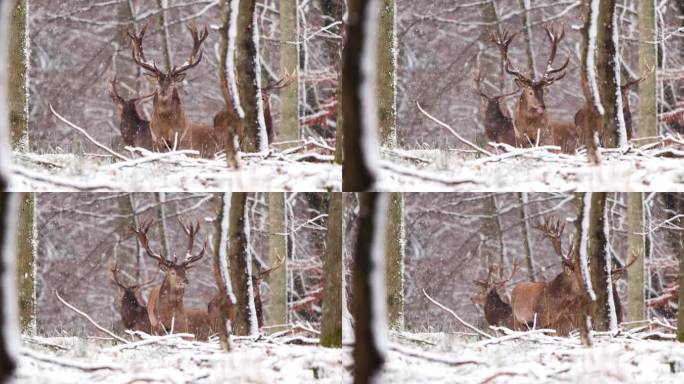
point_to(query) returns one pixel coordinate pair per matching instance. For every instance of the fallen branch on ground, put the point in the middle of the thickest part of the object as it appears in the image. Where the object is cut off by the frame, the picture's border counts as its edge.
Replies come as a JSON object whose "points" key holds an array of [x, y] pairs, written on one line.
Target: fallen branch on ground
{"points": [[68, 363], [431, 357], [84, 133], [87, 317], [456, 316], [459, 137]]}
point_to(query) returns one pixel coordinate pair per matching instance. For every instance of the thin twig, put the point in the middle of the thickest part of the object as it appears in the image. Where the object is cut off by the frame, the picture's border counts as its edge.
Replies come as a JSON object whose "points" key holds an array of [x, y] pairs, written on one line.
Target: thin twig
{"points": [[69, 363], [98, 326], [459, 137], [84, 133], [456, 316]]}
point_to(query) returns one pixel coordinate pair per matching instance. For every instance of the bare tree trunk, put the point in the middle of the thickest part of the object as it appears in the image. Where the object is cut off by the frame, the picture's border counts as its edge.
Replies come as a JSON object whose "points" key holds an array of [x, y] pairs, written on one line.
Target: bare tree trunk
{"points": [[604, 310], [387, 60], [9, 327], [248, 78], [529, 258], [289, 65], [9, 338], [369, 296], [527, 37], [277, 279], [239, 259], [26, 241], [490, 233], [586, 310], [680, 302], [161, 217], [592, 99], [227, 301], [395, 261], [18, 77], [331, 317], [648, 125], [607, 67], [166, 53], [636, 307], [359, 120]]}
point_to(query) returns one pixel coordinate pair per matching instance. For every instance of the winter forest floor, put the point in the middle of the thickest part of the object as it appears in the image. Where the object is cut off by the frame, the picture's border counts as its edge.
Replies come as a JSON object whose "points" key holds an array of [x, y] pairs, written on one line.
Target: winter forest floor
{"points": [[175, 171], [532, 170], [533, 358], [173, 360]]}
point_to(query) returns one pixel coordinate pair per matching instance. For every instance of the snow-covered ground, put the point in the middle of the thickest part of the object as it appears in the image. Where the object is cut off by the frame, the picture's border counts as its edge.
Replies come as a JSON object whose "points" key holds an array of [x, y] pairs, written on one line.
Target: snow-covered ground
{"points": [[532, 170], [534, 358], [172, 360], [177, 171]]}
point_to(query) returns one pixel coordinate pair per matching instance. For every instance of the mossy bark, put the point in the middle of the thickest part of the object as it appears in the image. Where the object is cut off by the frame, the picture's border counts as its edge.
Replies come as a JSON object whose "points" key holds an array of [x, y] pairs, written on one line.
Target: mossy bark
{"points": [[277, 279], [331, 319]]}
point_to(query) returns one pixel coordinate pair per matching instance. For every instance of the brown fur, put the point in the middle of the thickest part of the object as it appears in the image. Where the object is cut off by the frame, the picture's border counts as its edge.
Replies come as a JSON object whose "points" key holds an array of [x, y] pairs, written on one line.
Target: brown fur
{"points": [[134, 127], [497, 311]]}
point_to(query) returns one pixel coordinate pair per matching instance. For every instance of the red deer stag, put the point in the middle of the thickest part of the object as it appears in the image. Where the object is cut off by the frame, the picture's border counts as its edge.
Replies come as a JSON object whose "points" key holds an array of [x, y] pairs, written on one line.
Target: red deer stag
{"points": [[556, 304], [133, 309], [165, 307], [134, 127], [532, 121], [168, 123], [497, 311], [498, 126], [586, 116]]}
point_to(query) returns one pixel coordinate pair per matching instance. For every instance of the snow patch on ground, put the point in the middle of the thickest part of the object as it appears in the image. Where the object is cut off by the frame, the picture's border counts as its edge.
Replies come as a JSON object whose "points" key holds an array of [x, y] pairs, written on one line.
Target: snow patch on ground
{"points": [[174, 172], [537, 359], [90, 361], [531, 170]]}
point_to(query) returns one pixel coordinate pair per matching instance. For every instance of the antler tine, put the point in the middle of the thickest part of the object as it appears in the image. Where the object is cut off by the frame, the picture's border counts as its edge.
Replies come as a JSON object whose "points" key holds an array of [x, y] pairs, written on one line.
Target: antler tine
{"points": [[190, 230], [115, 270], [643, 77], [197, 53], [554, 39], [275, 266], [196, 257], [141, 233], [478, 85], [503, 40], [113, 92], [279, 84], [137, 50]]}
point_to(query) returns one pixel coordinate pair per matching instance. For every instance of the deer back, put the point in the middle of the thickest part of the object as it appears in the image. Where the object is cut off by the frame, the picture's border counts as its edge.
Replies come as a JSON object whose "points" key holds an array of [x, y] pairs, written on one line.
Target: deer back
{"points": [[523, 299]]}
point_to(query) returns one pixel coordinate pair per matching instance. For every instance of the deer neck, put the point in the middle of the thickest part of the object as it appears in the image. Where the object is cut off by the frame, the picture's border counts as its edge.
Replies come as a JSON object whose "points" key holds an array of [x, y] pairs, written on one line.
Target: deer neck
{"points": [[170, 301], [168, 119], [530, 123]]}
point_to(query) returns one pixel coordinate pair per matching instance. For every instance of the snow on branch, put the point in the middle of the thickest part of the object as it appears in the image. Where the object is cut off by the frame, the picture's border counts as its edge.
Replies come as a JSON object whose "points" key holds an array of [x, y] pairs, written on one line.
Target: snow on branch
{"points": [[435, 302]]}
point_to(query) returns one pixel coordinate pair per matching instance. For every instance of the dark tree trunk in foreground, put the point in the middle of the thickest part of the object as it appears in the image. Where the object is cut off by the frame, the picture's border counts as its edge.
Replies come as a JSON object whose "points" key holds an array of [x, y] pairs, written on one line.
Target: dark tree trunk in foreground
{"points": [[246, 68], [18, 99], [9, 338], [331, 318], [600, 266], [8, 320], [239, 259], [613, 134], [359, 112], [680, 312], [368, 286]]}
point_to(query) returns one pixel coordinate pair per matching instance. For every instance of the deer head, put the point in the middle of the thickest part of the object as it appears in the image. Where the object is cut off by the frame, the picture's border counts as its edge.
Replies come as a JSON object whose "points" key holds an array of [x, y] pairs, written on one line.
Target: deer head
{"points": [[165, 93], [175, 271], [491, 282], [124, 107], [532, 97], [571, 277]]}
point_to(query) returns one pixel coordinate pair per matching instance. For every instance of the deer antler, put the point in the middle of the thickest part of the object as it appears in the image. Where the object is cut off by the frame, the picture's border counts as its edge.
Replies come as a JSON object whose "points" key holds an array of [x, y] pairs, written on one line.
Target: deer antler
{"points": [[554, 39], [616, 274], [191, 231], [279, 84], [113, 92], [634, 82], [138, 53], [503, 40], [275, 266], [196, 54], [141, 232], [553, 229], [115, 271]]}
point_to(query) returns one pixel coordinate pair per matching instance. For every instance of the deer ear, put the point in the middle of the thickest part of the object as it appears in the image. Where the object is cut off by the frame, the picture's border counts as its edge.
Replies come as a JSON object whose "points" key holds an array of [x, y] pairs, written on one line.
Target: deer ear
{"points": [[152, 78], [179, 77]]}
